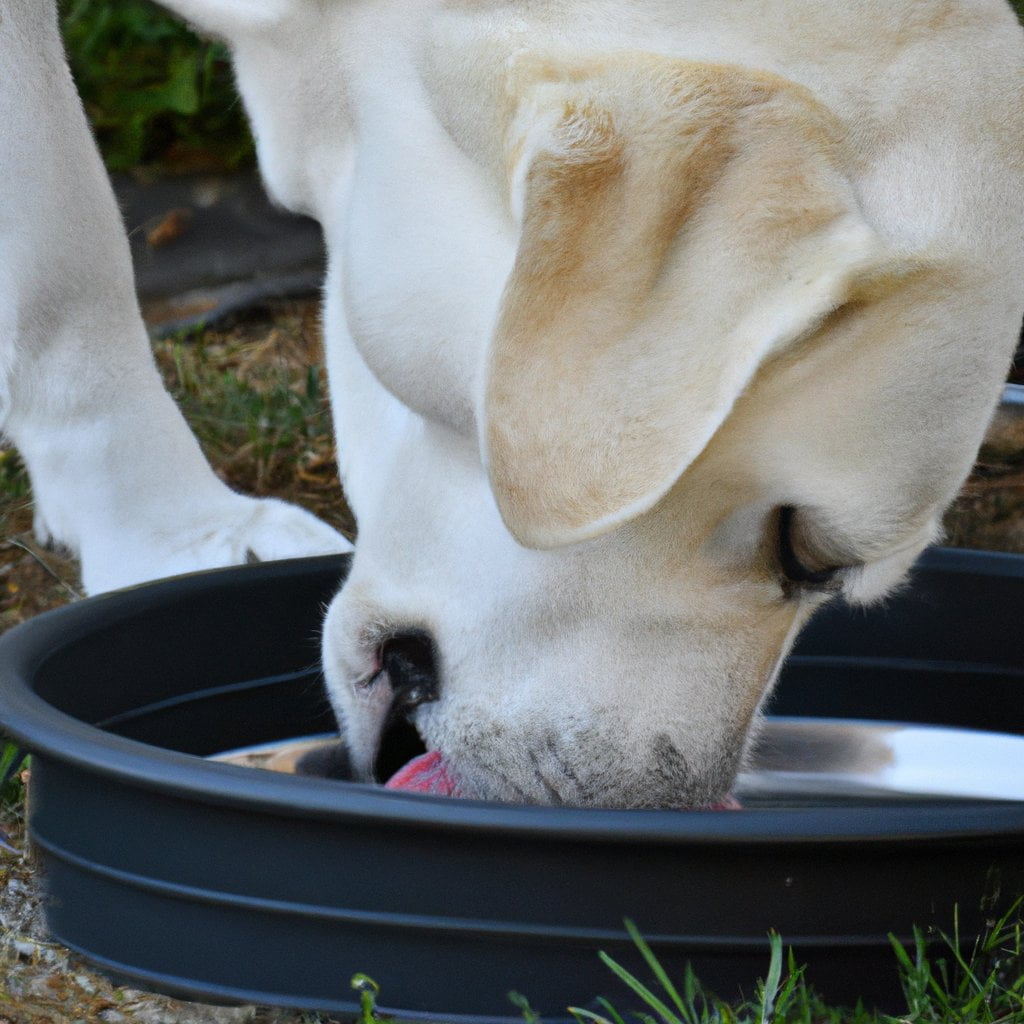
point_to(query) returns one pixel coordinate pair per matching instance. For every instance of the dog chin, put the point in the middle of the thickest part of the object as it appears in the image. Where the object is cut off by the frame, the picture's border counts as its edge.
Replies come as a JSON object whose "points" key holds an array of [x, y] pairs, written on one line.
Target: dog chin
{"points": [[543, 774], [429, 775]]}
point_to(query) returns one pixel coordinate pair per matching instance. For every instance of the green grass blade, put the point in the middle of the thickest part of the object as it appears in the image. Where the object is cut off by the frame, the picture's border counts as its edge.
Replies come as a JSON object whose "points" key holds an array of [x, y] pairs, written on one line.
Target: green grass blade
{"points": [[368, 991], [640, 989], [581, 1014], [658, 971], [770, 986], [522, 1004], [610, 1010], [913, 982]]}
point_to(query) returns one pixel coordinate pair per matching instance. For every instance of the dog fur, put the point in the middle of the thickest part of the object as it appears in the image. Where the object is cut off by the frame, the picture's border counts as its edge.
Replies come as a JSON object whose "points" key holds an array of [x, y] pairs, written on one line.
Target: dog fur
{"points": [[650, 328]]}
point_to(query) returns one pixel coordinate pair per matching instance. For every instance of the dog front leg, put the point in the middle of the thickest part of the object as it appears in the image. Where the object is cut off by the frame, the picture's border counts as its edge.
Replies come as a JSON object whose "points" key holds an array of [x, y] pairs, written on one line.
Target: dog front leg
{"points": [[119, 479], [117, 475]]}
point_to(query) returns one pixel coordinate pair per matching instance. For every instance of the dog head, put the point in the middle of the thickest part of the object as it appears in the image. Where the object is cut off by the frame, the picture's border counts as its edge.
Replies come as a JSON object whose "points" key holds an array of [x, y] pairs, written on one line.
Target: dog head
{"points": [[634, 365]]}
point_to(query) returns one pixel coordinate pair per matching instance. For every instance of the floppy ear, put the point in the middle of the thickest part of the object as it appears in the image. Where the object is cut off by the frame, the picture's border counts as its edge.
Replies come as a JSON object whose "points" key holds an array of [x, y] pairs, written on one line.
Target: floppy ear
{"points": [[680, 222], [227, 17]]}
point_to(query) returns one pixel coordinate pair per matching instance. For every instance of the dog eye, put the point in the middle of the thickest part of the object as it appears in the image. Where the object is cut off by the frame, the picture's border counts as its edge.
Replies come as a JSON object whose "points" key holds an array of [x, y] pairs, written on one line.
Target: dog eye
{"points": [[793, 560]]}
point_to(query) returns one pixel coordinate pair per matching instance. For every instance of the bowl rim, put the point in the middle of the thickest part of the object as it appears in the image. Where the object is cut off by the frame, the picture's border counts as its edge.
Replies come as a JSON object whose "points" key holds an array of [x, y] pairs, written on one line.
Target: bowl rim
{"points": [[45, 731]]}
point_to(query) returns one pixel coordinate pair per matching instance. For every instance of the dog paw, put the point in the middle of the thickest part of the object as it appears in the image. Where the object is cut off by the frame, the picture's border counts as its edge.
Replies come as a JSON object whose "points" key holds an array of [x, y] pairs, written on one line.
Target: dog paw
{"points": [[275, 529], [234, 532]]}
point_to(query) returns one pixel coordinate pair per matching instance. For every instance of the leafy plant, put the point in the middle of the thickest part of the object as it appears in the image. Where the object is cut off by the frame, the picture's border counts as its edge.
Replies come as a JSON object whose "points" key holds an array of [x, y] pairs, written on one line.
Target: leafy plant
{"points": [[154, 91], [368, 990], [13, 477], [11, 760]]}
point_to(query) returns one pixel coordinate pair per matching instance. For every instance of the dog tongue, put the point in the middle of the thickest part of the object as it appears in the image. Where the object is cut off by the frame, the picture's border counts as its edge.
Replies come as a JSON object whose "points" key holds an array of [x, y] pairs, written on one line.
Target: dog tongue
{"points": [[424, 774], [727, 803], [429, 774]]}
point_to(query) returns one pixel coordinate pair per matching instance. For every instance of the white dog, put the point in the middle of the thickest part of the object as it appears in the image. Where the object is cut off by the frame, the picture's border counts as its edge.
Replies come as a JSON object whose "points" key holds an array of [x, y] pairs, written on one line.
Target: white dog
{"points": [[651, 326]]}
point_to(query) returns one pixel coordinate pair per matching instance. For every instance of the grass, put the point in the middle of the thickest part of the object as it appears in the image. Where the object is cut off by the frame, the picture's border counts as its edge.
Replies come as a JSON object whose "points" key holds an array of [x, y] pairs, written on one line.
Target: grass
{"points": [[256, 396], [942, 984], [12, 792]]}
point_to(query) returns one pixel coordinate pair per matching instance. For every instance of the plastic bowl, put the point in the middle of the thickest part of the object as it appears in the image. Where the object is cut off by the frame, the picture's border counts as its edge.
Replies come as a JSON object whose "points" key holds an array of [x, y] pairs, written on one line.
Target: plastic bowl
{"points": [[221, 883]]}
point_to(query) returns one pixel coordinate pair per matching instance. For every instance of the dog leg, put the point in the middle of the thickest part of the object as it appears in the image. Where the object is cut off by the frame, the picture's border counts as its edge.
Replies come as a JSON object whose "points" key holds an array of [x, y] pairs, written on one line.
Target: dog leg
{"points": [[117, 475]]}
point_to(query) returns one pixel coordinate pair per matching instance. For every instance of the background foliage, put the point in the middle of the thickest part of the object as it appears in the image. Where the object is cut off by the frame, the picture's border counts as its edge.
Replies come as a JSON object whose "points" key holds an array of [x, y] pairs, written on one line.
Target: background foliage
{"points": [[156, 93]]}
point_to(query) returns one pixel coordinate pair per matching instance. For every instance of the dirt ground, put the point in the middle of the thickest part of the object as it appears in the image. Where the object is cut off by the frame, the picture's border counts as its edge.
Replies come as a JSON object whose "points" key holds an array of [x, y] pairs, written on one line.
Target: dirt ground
{"points": [[43, 983]]}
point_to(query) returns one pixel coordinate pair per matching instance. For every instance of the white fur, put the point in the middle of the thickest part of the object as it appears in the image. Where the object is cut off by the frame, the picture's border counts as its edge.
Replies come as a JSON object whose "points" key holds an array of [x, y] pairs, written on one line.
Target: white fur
{"points": [[117, 476], [609, 285]]}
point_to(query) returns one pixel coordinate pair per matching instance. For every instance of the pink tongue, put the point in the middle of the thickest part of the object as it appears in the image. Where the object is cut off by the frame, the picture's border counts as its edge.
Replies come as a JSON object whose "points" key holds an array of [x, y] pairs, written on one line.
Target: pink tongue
{"points": [[429, 774], [424, 774], [727, 803]]}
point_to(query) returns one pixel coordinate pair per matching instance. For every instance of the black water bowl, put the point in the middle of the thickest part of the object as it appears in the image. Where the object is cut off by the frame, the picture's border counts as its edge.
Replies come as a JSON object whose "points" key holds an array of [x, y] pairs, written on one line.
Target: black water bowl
{"points": [[217, 882]]}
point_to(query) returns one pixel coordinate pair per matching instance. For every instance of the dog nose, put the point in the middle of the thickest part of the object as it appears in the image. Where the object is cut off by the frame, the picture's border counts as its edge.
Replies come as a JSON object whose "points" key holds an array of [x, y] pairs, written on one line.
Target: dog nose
{"points": [[410, 662]]}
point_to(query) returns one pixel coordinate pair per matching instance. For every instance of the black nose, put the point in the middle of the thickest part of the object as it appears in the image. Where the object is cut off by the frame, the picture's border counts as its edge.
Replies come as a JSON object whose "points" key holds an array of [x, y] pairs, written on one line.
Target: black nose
{"points": [[410, 661]]}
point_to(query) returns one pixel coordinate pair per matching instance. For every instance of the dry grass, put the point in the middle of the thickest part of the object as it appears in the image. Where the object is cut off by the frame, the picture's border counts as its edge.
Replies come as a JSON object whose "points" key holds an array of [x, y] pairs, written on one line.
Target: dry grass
{"points": [[255, 393]]}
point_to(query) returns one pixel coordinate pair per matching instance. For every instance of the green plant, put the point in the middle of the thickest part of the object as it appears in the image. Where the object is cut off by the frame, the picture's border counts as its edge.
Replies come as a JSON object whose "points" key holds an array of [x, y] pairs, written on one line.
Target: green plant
{"points": [[255, 395], [11, 788], [943, 984], [13, 477], [257, 426], [776, 997], [154, 91], [984, 986], [368, 991]]}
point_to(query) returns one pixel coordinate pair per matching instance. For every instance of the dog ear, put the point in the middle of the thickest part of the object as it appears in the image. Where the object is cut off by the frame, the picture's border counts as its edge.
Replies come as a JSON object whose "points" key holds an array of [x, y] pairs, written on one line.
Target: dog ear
{"points": [[680, 223], [227, 17]]}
